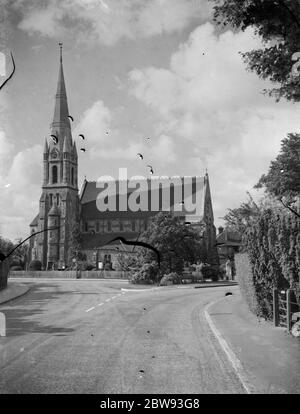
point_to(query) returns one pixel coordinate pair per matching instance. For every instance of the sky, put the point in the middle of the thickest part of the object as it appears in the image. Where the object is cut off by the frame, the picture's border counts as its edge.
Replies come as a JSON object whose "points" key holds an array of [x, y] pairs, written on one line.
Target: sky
{"points": [[134, 69]]}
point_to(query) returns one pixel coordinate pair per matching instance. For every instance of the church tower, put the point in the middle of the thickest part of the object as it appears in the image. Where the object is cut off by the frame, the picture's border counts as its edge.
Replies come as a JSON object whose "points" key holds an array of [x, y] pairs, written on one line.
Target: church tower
{"points": [[59, 202], [210, 229]]}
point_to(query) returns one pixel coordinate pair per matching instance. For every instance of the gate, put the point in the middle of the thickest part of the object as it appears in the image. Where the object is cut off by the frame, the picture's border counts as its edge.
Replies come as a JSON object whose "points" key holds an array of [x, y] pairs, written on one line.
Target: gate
{"points": [[284, 305]]}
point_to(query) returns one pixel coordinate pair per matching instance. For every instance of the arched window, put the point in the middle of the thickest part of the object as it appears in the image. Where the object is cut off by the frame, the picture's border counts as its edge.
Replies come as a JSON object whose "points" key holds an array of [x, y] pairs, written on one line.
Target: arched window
{"points": [[54, 174], [57, 199], [72, 176], [51, 200]]}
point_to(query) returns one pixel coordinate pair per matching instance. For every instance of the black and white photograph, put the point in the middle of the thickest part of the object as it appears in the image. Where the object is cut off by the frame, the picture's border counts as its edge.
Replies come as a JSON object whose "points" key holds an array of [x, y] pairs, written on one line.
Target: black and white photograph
{"points": [[149, 200]]}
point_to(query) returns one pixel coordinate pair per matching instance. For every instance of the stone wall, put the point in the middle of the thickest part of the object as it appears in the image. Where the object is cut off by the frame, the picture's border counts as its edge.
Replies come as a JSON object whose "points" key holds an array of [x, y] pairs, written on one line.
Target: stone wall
{"points": [[71, 274], [3, 274]]}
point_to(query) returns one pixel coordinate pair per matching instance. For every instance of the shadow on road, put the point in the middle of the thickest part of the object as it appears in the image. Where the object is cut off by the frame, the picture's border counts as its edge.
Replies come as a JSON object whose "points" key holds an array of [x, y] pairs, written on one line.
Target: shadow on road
{"points": [[31, 313]]}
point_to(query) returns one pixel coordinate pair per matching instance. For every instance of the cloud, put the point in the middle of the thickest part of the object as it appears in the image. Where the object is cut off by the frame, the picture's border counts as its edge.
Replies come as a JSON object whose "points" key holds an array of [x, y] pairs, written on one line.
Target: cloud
{"points": [[103, 140], [19, 200], [215, 111], [108, 21]]}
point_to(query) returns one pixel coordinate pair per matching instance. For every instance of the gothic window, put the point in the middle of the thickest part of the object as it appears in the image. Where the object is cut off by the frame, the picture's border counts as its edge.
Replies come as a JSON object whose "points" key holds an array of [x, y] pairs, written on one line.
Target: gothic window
{"points": [[57, 199], [54, 174], [72, 176], [51, 200]]}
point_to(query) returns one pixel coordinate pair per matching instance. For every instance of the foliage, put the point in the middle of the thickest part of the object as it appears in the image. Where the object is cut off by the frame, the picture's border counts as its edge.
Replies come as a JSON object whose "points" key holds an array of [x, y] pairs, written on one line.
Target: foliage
{"points": [[148, 274], [5, 245], [75, 245], [283, 178], [14, 268], [246, 281], [126, 262], [176, 242], [210, 272], [277, 22], [238, 219], [172, 278], [35, 265], [273, 246]]}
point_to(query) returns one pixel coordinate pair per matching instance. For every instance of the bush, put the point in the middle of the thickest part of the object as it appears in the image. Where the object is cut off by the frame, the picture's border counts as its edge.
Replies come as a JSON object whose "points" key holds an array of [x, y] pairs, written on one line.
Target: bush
{"points": [[210, 272], [15, 263], [88, 266], [13, 268], [35, 265], [273, 245], [170, 279], [146, 275], [246, 281]]}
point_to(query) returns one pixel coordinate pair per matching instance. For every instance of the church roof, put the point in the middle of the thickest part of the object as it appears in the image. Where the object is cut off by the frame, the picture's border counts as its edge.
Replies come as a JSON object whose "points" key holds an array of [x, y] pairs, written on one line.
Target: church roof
{"points": [[34, 222], [100, 240], [90, 192]]}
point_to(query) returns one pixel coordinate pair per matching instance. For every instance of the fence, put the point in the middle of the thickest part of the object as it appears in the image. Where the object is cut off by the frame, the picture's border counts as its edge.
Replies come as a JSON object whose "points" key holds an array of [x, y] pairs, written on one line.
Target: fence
{"points": [[284, 305], [70, 274]]}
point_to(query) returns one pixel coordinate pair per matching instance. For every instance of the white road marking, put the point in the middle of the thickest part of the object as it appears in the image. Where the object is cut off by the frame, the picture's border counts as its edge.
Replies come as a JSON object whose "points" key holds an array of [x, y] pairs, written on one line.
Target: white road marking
{"points": [[90, 309], [108, 300], [100, 304], [114, 297], [233, 359]]}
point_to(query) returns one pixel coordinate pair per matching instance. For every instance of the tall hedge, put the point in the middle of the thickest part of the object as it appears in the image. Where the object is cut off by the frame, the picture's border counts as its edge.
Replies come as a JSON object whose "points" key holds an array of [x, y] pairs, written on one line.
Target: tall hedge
{"points": [[273, 246]]}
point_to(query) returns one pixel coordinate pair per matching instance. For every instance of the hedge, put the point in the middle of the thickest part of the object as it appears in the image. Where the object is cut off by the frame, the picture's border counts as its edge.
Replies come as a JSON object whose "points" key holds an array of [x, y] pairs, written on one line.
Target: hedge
{"points": [[272, 243], [245, 280]]}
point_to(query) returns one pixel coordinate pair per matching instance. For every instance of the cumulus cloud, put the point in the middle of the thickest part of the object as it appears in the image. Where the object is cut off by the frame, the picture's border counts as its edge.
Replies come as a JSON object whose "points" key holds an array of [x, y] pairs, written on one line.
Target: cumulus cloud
{"points": [[108, 21], [207, 101], [20, 188], [106, 141]]}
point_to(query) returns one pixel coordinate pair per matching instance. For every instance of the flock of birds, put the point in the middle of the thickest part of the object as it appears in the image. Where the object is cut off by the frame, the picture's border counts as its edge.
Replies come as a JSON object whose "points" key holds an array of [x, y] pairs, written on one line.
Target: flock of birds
{"points": [[55, 140]]}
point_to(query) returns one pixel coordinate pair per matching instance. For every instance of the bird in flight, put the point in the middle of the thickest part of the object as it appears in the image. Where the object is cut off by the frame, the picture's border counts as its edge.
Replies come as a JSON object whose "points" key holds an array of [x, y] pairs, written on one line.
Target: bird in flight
{"points": [[72, 119], [140, 155], [147, 138], [82, 136], [82, 149], [106, 133], [151, 169], [54, 139]]}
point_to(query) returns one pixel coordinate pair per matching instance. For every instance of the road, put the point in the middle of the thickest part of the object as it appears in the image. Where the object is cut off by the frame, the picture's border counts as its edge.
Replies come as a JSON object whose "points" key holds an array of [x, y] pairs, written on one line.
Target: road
{"points": [[87, 336]]}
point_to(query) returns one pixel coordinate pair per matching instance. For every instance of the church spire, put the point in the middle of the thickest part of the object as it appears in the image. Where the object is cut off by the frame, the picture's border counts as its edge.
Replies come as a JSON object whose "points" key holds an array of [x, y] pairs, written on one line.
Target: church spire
{"points": [[61, 121]]}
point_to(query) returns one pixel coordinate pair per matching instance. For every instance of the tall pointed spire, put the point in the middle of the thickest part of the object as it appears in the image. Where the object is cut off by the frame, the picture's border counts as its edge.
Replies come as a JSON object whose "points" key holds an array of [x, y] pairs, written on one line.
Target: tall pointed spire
{"points": [[61, 122]]}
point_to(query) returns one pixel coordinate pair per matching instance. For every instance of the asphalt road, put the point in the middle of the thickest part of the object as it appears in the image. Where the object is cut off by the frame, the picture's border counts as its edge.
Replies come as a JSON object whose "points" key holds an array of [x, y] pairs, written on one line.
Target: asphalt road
{"points": [[87, 336]]}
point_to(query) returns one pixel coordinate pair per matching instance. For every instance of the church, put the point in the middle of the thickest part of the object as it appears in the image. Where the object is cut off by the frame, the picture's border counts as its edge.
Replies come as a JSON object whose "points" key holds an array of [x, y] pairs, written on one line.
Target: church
{"points": [[62, 206]]}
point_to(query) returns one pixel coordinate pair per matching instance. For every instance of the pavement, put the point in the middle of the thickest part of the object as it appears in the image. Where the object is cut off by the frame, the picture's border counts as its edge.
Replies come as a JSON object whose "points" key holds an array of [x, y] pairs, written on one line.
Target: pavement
{"points": [[76, 336], [270, 357]]}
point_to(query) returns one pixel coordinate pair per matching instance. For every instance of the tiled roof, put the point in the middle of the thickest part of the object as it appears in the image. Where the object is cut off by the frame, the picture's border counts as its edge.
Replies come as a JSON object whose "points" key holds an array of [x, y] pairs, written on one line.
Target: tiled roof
{"points": [[94, 241]]}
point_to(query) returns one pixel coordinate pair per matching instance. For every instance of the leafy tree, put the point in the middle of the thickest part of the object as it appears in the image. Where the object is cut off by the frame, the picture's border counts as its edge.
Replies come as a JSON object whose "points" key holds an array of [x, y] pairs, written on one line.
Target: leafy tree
{"points": [[75, 245], [175, 241], [239, 219], [6, 245], [283, 177], [277, 22]]}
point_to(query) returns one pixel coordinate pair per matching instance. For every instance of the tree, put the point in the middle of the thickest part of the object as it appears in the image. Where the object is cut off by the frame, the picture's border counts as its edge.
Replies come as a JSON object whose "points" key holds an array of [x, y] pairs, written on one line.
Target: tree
{"points": [[174, 240], [277, 22], [238, 219], [21, 253], [283, 177], [75, 246]]}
